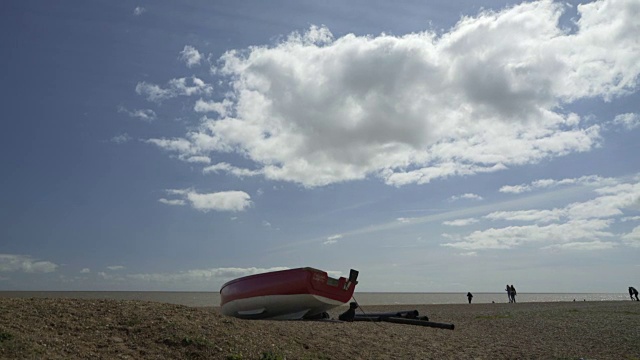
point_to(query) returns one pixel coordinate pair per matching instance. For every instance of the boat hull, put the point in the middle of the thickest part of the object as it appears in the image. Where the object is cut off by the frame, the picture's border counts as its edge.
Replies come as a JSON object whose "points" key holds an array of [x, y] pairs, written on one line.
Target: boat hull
{"points": [[283, 295]]}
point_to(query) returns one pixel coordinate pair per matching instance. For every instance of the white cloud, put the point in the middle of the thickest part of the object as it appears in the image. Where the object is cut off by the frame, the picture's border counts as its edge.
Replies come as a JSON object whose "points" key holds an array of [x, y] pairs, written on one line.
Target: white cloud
{"points": [[115, 267], [85, 271], [199, 159], [218, 201], [629, 120], [467, 196], [181, 192], [23, 263], [147, 115], [470, 253], [633, 238], [121, 139], [589, 180], [103, 275], [612, 200], [528, 215], [515, 189], [139, 10], [405, 220], [512, 236], [487, 95], [228, 168], [175, 87], [578, 225], [179, 145], [586, 245], [176, 202], [332, 239], [191, 56], [221, 108], [460, 222], [630, 218]]}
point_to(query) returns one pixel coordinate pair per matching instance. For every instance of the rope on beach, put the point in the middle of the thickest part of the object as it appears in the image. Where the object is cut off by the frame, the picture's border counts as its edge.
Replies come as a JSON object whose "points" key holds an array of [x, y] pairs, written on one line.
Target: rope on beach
{"points": [[364, 313]]}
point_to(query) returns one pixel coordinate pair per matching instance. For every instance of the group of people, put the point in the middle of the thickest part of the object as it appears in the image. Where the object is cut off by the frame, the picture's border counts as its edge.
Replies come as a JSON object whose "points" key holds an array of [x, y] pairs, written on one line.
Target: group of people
{"points": [[511, 292]]}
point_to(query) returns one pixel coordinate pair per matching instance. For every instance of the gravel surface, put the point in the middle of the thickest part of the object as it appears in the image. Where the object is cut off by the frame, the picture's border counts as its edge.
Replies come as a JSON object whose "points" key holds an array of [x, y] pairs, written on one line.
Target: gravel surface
{"points": [[116, 329]]}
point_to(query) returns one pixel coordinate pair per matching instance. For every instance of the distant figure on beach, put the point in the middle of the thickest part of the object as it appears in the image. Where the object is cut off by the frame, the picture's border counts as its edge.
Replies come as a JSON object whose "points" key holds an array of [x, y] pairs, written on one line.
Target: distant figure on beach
{"points": [[513, 293], [508, 289], [469, 296], [633, 292]]}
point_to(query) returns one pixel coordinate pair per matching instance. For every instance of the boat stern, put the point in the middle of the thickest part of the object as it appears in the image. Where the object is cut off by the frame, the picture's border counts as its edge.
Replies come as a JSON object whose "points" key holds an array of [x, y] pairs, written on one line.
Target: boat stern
{"points": [[336, 289]]}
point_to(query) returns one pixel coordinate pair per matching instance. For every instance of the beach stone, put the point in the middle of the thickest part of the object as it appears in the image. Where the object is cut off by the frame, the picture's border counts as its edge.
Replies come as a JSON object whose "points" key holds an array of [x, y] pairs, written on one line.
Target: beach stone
{"points": [[117, 339]]}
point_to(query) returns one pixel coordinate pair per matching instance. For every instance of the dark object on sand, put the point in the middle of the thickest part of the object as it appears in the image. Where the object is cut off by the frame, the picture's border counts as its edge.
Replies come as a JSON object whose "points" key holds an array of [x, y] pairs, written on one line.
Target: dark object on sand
{"points": [[419, 322], [407, 314], [409, 317], [349, 314], [322, 316], [633, 292]]}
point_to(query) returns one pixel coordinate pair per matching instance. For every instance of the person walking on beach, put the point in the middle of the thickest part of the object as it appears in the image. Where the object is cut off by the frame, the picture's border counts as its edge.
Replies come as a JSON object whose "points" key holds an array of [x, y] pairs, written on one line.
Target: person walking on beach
{"points": [[508, 289], [469, 296], [513, 293], [632, 292]]}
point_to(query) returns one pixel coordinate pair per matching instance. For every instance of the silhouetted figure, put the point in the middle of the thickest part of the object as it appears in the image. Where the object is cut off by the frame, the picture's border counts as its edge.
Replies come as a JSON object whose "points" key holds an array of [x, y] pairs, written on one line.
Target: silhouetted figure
{"points": [[508, 289], [513, 293], [633, 292], [469, 296], [349, 314]]}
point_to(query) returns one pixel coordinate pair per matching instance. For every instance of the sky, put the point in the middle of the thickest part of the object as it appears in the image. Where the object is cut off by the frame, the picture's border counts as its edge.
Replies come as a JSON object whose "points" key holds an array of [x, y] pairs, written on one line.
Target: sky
{"points": [[434, 147]]}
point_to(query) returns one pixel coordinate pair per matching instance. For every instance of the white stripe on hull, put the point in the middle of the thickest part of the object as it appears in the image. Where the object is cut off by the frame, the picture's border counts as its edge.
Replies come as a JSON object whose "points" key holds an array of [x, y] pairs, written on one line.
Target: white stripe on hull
{"points": [[279, 307]]}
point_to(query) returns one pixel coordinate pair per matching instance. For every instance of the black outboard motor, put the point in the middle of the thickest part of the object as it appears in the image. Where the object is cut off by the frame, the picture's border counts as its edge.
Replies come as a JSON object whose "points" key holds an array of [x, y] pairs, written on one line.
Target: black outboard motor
{"points": [[353, 277]]}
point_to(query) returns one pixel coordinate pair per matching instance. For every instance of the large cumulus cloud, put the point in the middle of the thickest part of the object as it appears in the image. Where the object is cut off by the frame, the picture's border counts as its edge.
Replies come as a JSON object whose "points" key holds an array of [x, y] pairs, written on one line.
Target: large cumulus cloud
{"points": [[488, 94]]}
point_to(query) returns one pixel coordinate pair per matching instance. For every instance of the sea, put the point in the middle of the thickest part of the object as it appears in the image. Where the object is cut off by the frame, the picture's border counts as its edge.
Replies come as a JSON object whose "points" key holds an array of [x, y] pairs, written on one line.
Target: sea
{"points": [[208, 299]]}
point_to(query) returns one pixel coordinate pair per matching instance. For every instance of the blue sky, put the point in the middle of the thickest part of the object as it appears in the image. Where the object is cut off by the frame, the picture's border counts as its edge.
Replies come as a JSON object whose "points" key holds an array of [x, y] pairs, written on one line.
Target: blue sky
{"points": [[433, 147]]}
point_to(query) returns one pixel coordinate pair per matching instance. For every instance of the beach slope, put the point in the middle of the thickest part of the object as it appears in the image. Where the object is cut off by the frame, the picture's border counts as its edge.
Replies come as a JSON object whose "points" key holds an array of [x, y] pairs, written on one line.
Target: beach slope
{"points": [[116, 329]]}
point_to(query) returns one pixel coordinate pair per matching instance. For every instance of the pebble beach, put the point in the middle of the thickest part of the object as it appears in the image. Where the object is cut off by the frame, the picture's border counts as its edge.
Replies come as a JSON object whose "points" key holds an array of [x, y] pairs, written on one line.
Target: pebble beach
{"points": [[46, 328]]}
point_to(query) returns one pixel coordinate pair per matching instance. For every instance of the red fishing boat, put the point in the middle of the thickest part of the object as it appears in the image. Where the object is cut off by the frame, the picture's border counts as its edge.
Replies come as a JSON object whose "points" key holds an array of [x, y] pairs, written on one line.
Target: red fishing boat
{"points": [[287, 294]]}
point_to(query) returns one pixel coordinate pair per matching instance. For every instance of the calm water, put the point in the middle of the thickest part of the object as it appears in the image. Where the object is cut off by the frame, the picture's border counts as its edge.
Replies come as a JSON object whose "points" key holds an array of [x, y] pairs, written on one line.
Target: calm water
{"points": [[213, 299]]}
